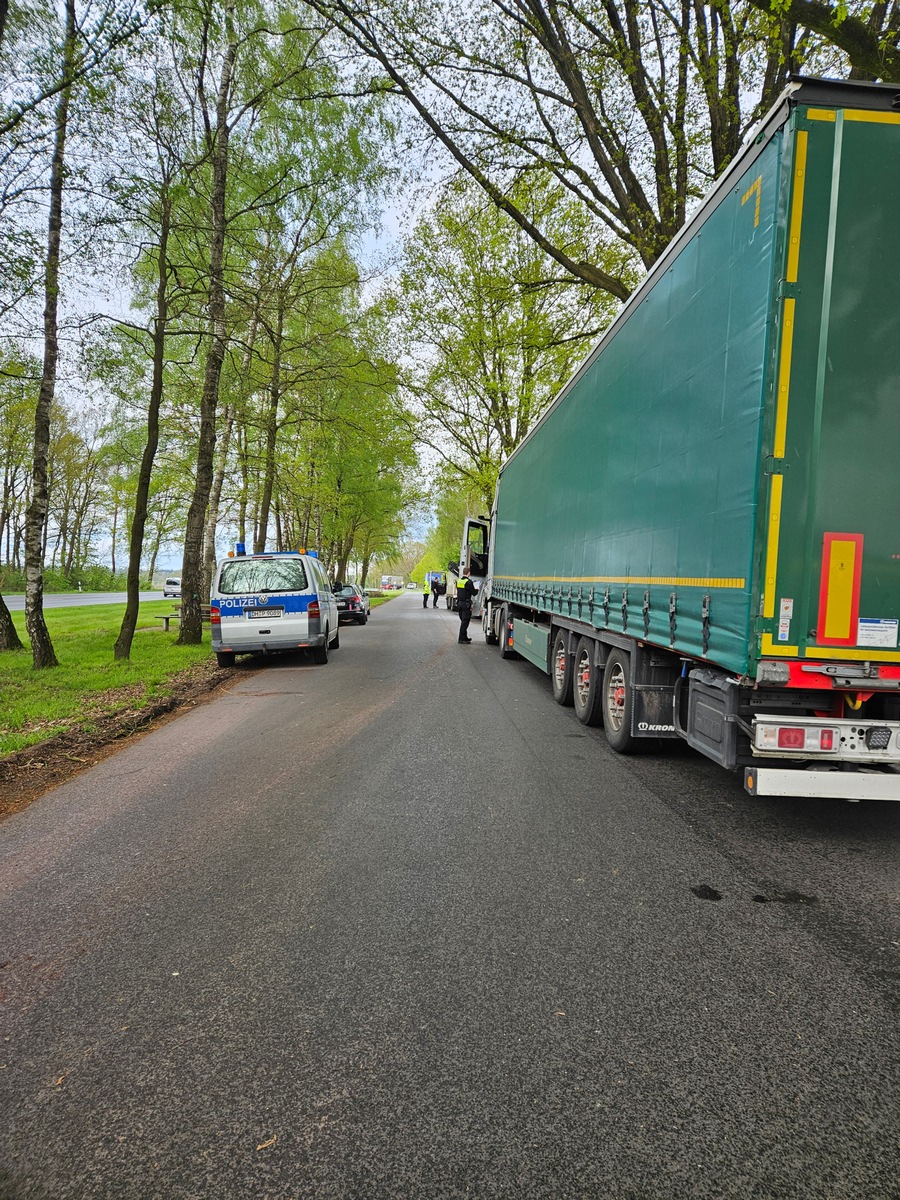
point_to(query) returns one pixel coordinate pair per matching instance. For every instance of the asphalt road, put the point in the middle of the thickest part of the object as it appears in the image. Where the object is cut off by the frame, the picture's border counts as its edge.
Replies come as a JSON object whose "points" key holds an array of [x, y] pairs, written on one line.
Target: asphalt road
{"points": [[77, 599], [400, 927]]}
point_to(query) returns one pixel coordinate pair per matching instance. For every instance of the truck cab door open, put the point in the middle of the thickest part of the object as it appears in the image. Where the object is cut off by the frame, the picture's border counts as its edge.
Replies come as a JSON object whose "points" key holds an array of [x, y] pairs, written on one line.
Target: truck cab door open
{"points": [[475, 546]]}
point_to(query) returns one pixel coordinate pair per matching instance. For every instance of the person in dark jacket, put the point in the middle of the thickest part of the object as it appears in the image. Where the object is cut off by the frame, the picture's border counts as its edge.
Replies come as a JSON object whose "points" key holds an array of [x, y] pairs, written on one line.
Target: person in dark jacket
{"points": [[465, 591]]}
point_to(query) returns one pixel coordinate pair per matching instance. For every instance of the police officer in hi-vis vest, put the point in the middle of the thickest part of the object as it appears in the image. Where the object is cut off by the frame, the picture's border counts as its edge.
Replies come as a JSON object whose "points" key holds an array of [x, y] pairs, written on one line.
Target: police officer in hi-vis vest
{"points": [[465, 590]]}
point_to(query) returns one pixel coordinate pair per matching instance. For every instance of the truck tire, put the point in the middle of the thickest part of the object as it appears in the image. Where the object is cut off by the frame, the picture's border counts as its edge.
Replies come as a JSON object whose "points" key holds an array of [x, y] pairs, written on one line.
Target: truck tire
{"points": [[561, 669], [490, 636], [587, 683], [506, 650], [618, 701]]}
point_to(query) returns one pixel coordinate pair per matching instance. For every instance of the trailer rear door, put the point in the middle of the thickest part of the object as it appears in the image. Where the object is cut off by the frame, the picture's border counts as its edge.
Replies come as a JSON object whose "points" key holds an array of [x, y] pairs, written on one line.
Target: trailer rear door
{"points": [[831, 553]]}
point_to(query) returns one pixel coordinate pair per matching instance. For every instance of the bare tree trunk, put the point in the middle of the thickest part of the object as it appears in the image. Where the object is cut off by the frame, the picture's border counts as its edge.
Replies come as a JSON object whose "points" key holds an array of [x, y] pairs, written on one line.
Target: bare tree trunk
{"points": [[191, 631], [142, 495], [36, 519]]}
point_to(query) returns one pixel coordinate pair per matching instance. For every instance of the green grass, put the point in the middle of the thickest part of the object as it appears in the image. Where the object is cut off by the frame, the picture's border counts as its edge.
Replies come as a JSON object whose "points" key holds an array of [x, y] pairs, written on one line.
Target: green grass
{"points": [[34, 705]]}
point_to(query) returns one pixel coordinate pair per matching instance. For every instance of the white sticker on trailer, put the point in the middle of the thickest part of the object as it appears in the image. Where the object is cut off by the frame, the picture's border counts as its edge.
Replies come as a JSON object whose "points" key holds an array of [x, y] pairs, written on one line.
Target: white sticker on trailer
{"points": [[875, 632]]}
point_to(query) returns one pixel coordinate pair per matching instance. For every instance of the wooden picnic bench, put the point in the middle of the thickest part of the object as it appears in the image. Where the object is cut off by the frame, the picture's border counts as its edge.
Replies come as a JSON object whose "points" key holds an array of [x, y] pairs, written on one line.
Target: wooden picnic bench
{"points": [[176, 616]]}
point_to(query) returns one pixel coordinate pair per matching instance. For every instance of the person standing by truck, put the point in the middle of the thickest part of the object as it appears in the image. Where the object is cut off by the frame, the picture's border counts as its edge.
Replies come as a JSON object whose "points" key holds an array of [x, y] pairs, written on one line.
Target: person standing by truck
{"points": [[425, 586], [465, 590]]}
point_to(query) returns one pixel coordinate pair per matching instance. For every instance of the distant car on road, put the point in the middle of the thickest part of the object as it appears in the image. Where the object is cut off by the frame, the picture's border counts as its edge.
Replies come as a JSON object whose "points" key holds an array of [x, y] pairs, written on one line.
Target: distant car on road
{"points": [[412, 587], [353, 603], [172, 587]]}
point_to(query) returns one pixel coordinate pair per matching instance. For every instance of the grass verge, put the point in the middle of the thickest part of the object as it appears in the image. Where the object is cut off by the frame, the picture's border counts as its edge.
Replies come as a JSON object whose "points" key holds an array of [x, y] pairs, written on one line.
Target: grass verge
{"points": [[89, 684]]}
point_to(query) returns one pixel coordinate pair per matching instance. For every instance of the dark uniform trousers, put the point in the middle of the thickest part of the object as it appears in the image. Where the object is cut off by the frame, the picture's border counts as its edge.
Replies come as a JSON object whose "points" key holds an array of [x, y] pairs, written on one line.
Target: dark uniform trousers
{"points": [[465, 590]]}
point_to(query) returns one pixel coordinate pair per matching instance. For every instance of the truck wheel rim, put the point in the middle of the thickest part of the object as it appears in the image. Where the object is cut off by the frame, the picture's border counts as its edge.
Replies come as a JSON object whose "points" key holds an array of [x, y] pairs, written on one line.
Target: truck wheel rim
{"points": [[583, 679], [559, 666], [615, 697]]}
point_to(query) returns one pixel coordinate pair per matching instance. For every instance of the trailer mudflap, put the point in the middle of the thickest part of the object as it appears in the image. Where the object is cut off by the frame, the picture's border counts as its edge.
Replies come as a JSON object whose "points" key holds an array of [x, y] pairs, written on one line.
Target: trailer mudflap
{"points": [[653, 680], [822, 784]]}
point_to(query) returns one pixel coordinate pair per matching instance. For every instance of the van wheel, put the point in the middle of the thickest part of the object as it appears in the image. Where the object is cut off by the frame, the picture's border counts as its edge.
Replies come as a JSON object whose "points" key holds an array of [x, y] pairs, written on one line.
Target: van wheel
{"points": [[225, 658], [618, 702], [561, 668], [587, 689], [336, 644], [319, 654]]}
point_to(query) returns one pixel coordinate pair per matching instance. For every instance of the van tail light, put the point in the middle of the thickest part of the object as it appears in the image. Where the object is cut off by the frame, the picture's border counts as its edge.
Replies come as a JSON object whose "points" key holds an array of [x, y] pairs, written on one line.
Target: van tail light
{"points": [[215, 616], [313, 611]]}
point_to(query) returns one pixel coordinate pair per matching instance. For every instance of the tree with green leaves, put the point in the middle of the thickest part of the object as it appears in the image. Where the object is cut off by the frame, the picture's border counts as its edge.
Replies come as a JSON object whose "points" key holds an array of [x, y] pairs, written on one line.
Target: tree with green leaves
{"points": [[488, 336], [631, 106]]}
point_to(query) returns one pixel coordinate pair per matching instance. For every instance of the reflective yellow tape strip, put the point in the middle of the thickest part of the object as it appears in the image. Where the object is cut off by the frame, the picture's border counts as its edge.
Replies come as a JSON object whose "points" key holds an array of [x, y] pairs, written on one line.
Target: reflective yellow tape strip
{"points": [[800, 151], [767, 647], [854, 114], [784, 378], [772, 544], [873, 654], [667, 580]]}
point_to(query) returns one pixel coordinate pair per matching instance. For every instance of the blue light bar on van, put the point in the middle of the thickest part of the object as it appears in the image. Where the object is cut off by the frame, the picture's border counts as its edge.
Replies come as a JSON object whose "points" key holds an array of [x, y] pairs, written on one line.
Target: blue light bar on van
{"points": [[239, 548]]}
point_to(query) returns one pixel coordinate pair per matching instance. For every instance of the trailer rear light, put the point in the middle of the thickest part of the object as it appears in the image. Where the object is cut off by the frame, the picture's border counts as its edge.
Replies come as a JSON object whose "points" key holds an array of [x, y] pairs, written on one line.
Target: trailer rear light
{"points": [[796, 739], [215, 616], [790, 738], [878, 738]]}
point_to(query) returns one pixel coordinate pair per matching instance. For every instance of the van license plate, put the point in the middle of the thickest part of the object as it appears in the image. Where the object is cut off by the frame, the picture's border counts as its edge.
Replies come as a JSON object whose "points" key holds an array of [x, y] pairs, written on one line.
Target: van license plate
{"points": [[262, 613]]}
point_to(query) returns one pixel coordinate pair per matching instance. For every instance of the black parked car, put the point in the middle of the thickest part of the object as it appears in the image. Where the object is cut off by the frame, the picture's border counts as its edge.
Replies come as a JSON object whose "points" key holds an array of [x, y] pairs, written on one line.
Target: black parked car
{"points": [[353, 603]]}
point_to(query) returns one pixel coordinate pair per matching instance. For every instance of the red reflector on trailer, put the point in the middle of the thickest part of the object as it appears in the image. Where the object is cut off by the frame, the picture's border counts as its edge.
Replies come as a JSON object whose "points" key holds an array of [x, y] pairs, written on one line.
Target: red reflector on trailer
{"points": [[826, 739], [791, 738]]}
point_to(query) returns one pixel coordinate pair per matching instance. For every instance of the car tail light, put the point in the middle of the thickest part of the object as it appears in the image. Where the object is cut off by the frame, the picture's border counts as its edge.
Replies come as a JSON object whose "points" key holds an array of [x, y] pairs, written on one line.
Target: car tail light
{"points": [[215, 617], [313, 610]]}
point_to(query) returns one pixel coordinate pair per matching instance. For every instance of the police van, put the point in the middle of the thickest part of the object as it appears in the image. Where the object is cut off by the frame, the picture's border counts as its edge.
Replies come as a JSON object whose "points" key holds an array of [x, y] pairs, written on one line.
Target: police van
{"points": [[270, 602]]}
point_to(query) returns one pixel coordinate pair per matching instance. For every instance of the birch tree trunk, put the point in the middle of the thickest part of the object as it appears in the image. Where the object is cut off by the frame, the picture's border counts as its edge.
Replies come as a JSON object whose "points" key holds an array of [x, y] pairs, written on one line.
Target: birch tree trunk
{"points": [[191, 631], [36, 519]]}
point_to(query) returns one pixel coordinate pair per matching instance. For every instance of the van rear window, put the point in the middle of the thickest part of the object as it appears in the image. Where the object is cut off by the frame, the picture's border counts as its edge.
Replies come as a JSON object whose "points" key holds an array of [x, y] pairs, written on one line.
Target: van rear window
{"points": [[241, 575]]}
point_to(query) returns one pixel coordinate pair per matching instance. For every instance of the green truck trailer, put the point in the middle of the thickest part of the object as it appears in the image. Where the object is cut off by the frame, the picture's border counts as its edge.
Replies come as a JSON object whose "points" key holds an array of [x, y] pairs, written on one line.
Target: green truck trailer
{"points": [[701, 537]]}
